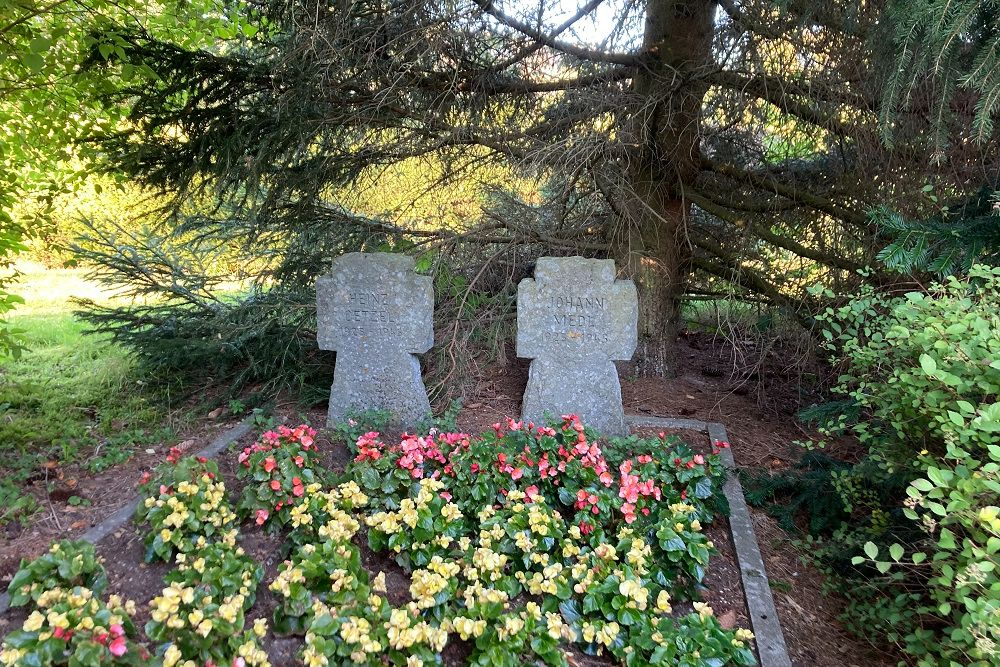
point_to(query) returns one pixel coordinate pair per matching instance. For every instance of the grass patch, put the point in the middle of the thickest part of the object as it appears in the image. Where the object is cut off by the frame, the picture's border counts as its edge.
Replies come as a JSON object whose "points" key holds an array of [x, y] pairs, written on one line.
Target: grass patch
{"points": [[72, 397]]}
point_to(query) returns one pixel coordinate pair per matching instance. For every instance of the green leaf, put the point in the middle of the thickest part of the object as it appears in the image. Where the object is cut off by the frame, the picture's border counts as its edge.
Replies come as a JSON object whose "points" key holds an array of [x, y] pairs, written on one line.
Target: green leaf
{"points": [[322, 625], [947, 539], [33, 61], [966, 407], [870, 549], [369, 478], [928, 364], [39, 44], [939, 476], [896, 552]]}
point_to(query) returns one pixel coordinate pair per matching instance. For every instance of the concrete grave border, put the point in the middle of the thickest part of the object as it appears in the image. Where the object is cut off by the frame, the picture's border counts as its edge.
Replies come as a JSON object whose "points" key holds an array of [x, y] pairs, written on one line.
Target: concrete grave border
{"points": [[120, 516], [760, 602]]}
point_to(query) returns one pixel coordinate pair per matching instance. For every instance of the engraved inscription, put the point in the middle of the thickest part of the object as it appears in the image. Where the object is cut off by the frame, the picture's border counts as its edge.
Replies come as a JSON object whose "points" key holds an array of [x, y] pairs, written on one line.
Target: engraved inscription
{"points": [[577, 319], [369, 314]]}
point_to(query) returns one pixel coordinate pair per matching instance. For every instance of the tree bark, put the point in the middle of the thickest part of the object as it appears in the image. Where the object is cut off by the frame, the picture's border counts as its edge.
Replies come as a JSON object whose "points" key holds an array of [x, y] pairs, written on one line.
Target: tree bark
{"points": [[665, 131]]}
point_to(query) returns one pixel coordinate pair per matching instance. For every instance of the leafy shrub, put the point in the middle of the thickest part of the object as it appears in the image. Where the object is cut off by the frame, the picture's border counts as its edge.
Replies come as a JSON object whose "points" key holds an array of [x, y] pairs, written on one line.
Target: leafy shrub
{"points": [[67, 564], [203, 624], [11, 244], [425, 526], [14, 503], [923, 372]]}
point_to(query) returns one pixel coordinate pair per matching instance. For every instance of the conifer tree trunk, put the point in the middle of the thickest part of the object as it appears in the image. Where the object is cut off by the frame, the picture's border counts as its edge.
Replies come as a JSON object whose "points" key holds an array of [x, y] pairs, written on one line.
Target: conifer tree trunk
{"points": [[664, 156]]}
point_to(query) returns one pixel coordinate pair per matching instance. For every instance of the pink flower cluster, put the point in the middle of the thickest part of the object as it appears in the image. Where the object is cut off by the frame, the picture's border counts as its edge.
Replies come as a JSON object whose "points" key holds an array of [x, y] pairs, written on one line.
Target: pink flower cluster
{"points": [[630, 489], [114, 638], [415, 451], [302, 435], [633, 491], [369, 447], [281, 444]]}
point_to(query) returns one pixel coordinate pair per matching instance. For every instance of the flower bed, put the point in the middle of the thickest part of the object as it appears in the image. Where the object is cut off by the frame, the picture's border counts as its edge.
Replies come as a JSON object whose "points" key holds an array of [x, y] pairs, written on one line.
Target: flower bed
{"points": [[520, 545]]}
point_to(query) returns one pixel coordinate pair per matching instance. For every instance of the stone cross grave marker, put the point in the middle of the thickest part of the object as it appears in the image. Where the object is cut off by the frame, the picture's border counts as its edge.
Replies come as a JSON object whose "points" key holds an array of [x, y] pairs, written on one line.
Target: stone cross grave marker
{"points": [[377, 314], [573, 320]]}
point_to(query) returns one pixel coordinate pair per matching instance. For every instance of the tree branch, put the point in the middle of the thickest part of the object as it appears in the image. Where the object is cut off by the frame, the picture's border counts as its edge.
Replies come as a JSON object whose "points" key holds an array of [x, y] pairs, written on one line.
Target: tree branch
{"points": [[524, 53], [766, 234], [37, 11], [737, 274], [526, 86], [786, 97], [755, 83], [543, 39], [768, 183]]}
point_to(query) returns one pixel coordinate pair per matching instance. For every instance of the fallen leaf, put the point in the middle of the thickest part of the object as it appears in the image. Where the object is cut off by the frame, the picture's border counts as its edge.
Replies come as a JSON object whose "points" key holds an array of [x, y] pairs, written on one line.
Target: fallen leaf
{"points": [[728, 619], [76, 525], [50, 464], [185, 445], [215, 413], [474, 406], [71, 483]]}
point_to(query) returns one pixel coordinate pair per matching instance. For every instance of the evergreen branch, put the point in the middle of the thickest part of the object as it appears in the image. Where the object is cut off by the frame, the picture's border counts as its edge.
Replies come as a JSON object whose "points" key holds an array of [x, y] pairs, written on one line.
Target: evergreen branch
{"points": [[543, 39]]}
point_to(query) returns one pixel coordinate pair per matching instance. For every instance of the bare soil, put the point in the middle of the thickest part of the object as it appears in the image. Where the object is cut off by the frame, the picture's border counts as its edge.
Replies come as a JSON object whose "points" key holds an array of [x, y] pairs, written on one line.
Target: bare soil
{"points": [[760, 437]]}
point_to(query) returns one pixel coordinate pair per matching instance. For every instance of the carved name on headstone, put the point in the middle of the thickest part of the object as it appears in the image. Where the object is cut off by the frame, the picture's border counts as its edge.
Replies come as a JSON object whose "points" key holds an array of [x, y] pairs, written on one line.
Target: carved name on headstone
{"points": [[573, 320], [377, 314]]}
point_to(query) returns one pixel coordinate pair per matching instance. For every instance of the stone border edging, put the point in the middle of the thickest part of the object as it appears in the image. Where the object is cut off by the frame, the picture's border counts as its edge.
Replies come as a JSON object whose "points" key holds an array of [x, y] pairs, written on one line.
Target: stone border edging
{"points": [[118, 518], [756, 589]]}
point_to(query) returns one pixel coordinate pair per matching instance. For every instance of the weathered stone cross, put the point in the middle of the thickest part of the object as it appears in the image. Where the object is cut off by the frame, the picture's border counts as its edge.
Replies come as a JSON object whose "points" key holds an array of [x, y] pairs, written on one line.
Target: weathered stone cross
{"points": [[573, 320], [376, 313]]}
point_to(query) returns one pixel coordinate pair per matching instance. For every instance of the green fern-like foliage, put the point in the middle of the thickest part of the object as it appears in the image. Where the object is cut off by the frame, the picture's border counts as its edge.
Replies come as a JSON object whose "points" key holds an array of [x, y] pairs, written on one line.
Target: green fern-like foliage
{"points": [[950, 45], [946, 244], [806, 490]]}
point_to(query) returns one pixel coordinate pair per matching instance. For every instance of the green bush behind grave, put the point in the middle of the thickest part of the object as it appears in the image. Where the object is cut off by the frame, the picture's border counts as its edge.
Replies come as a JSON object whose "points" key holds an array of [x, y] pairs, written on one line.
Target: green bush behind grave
{"points": [[922, 375]]}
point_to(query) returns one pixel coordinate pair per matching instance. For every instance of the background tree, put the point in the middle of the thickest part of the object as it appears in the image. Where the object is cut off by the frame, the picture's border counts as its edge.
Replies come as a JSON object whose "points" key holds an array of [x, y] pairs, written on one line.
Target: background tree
{"points": [[738, 144], [48, 103]]}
